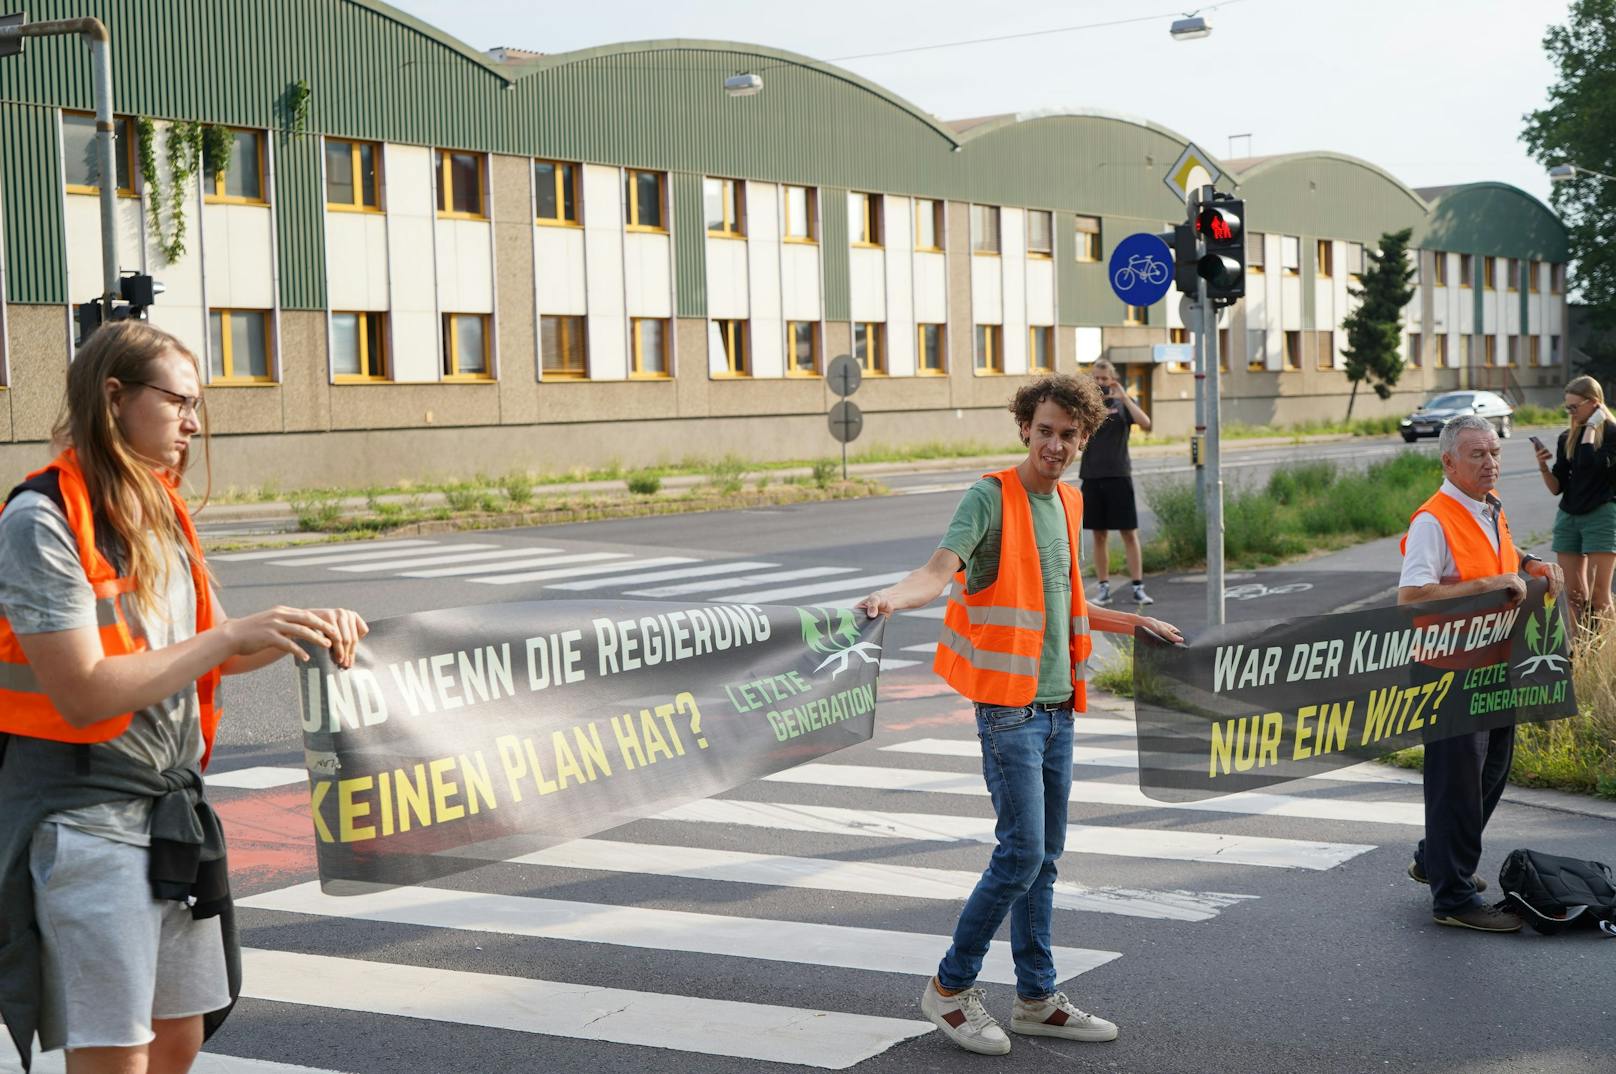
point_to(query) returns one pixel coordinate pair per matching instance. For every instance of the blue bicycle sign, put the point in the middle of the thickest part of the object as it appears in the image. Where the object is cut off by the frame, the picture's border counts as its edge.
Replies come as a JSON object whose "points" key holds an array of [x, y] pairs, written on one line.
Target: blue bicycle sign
{"points": [[1141, 269]]}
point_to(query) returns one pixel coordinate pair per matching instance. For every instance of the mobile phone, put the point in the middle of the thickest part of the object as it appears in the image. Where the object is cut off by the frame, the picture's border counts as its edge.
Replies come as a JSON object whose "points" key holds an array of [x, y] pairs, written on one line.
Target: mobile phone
{"points": [[1537, 443]]}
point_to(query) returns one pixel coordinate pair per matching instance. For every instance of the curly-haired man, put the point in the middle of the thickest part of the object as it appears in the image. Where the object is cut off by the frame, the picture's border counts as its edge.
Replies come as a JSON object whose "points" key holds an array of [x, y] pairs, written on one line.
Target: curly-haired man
{"points": [[1015, 641]]}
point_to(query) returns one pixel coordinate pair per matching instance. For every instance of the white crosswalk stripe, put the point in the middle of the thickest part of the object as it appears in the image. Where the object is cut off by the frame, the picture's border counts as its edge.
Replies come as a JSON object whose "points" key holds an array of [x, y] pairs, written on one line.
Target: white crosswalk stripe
{"points": [[388, 556], [206, 1063], [575, 572], [795, 942], [1111, 794], [824, 1039], [543, 560], [867, 878], [705, 571], [1106, 757], [314, 550], [736, 583], [458, 554], [794, 594]]}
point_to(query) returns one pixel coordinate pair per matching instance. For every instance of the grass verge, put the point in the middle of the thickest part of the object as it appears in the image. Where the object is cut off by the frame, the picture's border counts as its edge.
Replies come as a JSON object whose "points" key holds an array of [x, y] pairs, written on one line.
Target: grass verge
{"points": [[1305, 509]]}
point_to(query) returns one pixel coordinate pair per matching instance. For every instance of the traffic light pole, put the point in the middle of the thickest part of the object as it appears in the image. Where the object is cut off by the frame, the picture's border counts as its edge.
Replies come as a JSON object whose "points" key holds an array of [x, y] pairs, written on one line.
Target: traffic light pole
{"points": [[1212, 482]]}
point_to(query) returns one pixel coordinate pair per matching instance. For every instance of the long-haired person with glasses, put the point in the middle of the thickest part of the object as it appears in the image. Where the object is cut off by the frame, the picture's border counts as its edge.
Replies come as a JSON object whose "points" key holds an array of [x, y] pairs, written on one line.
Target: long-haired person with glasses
{"points": [[115, 939], [1580, 471]]}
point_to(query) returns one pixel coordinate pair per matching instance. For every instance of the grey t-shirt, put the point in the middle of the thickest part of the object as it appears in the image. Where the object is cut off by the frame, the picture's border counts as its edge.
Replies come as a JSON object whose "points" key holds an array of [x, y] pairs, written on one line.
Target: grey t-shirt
{"points": [[43, 589]]}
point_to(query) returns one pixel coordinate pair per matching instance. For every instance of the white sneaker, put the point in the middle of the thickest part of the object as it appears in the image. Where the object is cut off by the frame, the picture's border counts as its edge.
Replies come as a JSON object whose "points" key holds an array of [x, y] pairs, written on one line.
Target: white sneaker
{"points": [[1103, 597], [964, 1020], [1140, 597], [1055, 1016]]}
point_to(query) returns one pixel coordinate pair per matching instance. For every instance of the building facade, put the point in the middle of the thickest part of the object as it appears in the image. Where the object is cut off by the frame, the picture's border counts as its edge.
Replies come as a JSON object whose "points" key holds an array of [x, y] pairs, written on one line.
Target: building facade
{"points": [[398, 257]]}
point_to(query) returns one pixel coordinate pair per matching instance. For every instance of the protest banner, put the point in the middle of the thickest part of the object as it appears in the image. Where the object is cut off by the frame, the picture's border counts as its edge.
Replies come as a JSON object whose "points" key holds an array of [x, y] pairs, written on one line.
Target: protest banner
{"points": [[1250, 705], [476, 734]]}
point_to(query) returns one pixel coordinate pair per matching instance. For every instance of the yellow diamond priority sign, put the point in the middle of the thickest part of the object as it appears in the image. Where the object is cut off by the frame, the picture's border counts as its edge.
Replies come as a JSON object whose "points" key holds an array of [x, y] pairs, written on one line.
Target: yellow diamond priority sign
{"points": [[1192, 170]]}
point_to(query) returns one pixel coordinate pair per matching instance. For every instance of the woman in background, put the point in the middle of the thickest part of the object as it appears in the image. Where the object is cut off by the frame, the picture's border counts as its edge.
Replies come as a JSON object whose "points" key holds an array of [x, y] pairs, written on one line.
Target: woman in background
{"points": [[1583, 467]]}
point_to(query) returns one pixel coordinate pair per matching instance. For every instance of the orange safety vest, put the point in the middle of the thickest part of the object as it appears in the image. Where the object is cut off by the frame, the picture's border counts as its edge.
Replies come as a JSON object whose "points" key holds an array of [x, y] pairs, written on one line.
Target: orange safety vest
{"points": [[24, 708], [992, 639], [1472, 552]]}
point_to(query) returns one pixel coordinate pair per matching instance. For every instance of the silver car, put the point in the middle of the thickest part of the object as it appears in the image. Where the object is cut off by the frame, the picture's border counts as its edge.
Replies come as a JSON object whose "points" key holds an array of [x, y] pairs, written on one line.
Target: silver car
{"points": [[1430, 416]]}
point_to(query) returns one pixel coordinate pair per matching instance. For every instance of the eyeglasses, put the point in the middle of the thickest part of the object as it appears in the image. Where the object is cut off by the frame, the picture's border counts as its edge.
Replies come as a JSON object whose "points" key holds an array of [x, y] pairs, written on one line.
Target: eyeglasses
{"points": [[184, 404]]}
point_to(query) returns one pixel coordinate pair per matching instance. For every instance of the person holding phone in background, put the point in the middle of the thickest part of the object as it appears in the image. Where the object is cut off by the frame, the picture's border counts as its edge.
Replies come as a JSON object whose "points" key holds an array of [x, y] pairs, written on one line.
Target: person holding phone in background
{"points": [[1106, 473], [1580, 471]]}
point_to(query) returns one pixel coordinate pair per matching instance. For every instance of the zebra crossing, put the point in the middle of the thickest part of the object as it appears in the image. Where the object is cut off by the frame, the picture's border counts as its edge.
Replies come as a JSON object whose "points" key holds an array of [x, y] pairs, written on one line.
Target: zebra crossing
{"points": [[572, 571], [739, 895]]}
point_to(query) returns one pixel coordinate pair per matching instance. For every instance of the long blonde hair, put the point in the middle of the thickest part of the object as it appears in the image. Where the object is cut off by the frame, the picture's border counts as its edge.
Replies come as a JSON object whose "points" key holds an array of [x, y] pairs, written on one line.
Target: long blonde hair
{"points": [[1589, 388], [125, 492]]}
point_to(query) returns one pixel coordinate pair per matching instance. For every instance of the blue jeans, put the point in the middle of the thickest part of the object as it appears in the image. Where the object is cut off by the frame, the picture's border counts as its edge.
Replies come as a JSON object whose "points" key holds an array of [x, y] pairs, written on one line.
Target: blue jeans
{"points": [[1027, 762]]}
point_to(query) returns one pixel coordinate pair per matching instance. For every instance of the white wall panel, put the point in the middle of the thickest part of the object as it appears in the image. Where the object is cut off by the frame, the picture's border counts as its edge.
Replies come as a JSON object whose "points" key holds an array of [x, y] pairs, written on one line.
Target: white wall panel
{"points": [[1090, 344], [647, 274], [1041, 293], [727, 279], [799, 282], [604, 273], [559, 270], [356, 265], [465, 260], [764, 278], [411, 216], [83, 230], [1013, 269], [900, 297], [931, 288], [867, 274], [182, 309], [987, 291], [237, 256]]}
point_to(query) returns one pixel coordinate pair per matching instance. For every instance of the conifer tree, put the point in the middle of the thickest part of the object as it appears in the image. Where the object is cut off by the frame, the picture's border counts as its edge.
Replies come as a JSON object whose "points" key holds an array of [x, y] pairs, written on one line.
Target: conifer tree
{"points": [[1375, 329]]}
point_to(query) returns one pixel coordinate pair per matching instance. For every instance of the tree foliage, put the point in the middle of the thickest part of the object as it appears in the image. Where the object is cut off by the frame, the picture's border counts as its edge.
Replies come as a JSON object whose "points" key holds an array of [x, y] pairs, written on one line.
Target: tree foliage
{"points": [[1375, 329], [1579, 127]]}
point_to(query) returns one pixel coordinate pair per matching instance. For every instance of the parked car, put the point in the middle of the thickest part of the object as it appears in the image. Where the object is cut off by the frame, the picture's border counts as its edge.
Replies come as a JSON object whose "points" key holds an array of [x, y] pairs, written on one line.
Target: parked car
{"points": [[1429, 417]]}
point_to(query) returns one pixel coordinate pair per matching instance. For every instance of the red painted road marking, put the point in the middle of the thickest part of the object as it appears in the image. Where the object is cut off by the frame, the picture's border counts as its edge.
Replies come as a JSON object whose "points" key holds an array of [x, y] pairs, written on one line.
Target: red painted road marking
{"points": [[270, 836]]}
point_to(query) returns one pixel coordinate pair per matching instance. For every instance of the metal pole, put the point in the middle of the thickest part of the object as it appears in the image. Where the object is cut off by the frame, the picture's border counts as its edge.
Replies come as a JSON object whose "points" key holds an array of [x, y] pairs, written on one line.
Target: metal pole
{"points": [[1200, 372], [106, 157], [95, 35], [1214, 478]]}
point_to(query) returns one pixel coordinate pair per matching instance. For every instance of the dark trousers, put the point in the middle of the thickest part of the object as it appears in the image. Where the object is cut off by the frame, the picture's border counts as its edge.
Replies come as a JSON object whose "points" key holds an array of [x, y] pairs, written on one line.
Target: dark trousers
{"points": [[1464, 778]]}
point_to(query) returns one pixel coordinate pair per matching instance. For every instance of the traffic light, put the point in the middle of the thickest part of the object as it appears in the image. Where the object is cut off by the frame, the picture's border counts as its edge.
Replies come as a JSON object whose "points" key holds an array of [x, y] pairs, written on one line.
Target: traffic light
{"points": [[138, 291], [1182, 240], [1221, 224]]}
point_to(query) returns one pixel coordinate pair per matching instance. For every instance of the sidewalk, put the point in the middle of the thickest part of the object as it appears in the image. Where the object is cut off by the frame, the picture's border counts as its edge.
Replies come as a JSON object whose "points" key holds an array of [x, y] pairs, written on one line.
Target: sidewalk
{"points": [[222, 514]]}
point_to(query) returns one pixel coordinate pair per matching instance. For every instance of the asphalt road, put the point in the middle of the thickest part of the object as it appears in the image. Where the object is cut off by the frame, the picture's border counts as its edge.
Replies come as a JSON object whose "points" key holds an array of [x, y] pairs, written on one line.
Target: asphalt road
{"points": [[1268, 935]]}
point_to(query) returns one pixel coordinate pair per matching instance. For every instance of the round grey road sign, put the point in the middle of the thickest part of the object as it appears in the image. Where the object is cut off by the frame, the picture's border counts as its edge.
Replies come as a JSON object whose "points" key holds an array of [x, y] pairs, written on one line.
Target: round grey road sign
{"points": [[1191, 319], [846, 421], [844, 376]]}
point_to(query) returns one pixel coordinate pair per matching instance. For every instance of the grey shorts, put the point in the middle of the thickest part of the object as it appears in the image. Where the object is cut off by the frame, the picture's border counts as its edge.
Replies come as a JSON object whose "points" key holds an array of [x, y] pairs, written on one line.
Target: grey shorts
{"points": [[115, 958]]}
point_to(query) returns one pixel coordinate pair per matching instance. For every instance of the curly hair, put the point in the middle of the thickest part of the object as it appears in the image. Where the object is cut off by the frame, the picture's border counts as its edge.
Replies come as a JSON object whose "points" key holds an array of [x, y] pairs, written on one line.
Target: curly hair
{"points": [[1078, 396]]}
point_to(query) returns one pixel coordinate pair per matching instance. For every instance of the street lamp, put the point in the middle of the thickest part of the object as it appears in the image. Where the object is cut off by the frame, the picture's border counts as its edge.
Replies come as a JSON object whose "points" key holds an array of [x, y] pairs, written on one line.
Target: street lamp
{"points": [[744, 85], [1564, 173], [1190, 27]]}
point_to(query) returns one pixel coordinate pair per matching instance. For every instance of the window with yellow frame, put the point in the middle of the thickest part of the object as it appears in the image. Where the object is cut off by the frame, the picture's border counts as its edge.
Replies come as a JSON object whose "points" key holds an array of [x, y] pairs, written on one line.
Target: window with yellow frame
{"points": [[1293, 351], [358, 346], [1489, 273], [1415, 350], [1325, 263], [727, 346], [724, 201], [1087, 233], [645, 200], [1041, 348], [985, 230], [1439, 269], [870, 346], [239, 346], [1326, 344], [1135, 315], [802, 214], [928, 225], [864, 219], [81, 161], [1256, 350], [1181, 337], [353, 176], [1534, 271], [989, 348], [556, 194], [1512, 274], [467, 348], [1439, 353], [802, 348], [1466, 274], [461, 185], [1040, 233], [1225, 346], [649, 348], [242, 179], [932, 357], [563, 348]]}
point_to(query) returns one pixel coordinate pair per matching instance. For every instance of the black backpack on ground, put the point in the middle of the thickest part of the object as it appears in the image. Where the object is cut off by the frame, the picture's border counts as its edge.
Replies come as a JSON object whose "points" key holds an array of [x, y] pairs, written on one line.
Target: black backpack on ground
{"points": [[1552, 893]]}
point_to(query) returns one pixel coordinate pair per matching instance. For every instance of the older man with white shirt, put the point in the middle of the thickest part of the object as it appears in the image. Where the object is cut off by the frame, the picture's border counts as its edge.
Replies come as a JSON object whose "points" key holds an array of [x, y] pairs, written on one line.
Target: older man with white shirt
{"points": [[1458, 545]]}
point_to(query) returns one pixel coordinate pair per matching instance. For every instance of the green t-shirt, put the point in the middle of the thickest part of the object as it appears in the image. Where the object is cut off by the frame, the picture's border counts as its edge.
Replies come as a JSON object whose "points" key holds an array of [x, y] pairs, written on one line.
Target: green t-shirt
{"points": [[975, 534]]}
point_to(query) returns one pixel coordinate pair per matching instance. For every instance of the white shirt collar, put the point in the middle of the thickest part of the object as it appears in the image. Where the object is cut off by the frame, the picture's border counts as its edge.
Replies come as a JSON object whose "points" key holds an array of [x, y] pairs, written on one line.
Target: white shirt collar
{"points": [[1484, 510]]}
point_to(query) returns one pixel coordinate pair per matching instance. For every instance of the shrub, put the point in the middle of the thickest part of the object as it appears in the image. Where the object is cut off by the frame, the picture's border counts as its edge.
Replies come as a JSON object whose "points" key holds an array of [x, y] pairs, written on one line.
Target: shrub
{"points": [[644, 483], [825, 472], [519, 488], [462, 500], [490, 502]]}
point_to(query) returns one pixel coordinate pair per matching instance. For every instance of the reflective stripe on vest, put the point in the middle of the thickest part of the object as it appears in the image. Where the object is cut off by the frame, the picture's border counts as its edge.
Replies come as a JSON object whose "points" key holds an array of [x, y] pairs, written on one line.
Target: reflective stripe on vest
{"points": [[992, 641], [24, 708]]}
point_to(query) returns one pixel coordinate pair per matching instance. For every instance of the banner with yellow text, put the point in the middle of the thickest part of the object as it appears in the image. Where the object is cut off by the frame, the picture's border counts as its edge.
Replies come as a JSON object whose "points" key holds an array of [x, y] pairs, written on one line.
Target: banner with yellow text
{"points": [[1249, 705], [473, 735]]}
